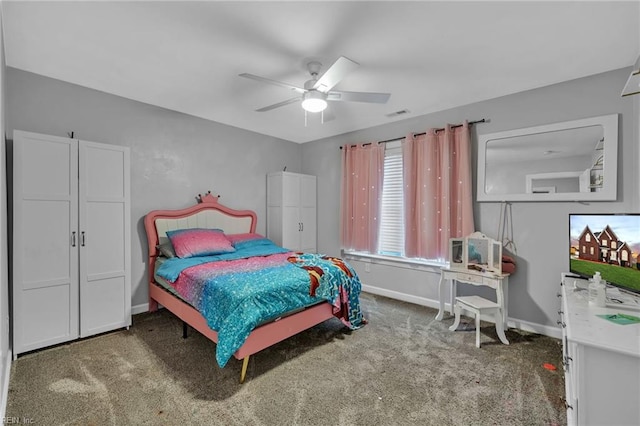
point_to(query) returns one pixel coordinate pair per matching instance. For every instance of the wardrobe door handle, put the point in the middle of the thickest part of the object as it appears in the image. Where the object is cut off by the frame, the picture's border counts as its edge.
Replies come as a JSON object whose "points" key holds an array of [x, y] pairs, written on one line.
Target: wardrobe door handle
{"points": [[73, 239], [82, 238], [302, 226]]}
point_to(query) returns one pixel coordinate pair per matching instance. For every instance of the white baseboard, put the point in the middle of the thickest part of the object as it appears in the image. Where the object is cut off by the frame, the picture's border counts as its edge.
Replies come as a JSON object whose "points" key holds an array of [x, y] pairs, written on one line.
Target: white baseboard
{"points": [[545, 330], [391, 294], [139, 309], [423, 301], [4, 386]]}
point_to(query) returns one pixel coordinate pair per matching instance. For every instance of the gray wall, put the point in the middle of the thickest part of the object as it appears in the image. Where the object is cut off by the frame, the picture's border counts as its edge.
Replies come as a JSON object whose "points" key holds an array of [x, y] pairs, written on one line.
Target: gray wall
{"points": [[636, 128], [540, 229], [173, 156]]}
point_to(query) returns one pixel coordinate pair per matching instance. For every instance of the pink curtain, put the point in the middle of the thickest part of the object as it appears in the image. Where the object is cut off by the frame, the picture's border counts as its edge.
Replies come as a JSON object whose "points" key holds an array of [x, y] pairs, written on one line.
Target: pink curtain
{"points": [[437, 191], [362, 174]]}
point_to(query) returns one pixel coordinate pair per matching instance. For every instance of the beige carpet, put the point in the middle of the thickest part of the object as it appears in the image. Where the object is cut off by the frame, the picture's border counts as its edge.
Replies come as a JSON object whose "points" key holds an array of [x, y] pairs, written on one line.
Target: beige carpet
{"points": [[403, 368]]}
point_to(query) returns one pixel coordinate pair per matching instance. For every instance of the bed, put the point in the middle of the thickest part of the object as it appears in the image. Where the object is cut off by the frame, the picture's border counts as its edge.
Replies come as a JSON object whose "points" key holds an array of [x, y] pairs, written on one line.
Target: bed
{"points": [[191, 286]]}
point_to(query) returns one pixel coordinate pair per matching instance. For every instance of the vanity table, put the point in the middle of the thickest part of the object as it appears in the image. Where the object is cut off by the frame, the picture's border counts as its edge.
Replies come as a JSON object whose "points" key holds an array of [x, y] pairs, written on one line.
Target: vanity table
{"points": [[497, 281], [477, 260]]}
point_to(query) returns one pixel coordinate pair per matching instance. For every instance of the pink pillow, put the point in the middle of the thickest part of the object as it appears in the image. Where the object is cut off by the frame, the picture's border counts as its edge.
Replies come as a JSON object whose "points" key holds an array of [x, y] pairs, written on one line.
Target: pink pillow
{"points": [[237, 238], [199, 242]]}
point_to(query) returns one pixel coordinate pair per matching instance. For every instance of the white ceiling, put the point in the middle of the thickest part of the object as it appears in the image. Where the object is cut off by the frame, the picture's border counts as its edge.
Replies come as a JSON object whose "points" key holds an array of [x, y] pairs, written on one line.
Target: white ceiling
{"points": [[431, 56]]}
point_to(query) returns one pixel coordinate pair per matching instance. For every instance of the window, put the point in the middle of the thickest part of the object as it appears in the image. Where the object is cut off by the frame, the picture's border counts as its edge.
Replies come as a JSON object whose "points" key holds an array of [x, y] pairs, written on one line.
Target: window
{"points": [[391, 237], [614, 245], [587, 238], [604, 242], [391, 225], [591, 250]]}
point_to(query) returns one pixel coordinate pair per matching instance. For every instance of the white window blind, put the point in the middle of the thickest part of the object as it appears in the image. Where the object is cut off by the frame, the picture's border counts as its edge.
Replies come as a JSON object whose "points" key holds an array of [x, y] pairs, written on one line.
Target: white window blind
{"points": [[391, 238]]}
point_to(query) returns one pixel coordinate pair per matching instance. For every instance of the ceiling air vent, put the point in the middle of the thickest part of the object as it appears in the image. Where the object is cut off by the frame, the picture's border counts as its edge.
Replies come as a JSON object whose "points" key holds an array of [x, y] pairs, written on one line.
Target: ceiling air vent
{"points": [[397, 113]]}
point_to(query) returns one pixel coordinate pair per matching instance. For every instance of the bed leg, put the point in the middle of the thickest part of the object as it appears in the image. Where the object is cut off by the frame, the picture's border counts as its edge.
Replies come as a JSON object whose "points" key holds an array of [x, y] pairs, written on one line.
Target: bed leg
{"points": [[153, 305], [243, 373], [184, 330]]}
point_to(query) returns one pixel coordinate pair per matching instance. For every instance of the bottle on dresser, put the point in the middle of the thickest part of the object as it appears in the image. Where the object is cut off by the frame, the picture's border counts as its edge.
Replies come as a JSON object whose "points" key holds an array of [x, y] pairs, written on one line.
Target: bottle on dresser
{"points": [[597, 291]]}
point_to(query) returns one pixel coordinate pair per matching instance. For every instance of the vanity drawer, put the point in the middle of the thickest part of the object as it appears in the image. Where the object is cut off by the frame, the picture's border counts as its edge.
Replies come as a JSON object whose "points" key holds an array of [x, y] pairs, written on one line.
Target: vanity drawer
{"points": [[491, 282], [476, 279]]}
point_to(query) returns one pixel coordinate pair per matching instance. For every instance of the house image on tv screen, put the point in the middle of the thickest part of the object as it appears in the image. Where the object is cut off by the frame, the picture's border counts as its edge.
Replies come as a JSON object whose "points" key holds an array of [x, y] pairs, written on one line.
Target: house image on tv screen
{"points": [[604, 247]]}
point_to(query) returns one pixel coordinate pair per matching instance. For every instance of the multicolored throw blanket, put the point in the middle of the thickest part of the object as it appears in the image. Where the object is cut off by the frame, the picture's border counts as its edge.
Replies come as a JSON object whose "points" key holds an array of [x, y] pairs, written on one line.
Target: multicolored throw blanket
{"points": [[260, 281]]}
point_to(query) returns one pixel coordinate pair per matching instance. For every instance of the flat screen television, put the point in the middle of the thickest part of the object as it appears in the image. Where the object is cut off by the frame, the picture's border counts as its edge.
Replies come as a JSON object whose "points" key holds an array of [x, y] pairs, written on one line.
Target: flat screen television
{"points": [[608, 243]]}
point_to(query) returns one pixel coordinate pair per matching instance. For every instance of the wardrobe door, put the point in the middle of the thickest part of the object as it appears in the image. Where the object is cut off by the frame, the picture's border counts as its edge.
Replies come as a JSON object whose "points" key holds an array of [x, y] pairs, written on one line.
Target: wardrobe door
{"points": [[45, 241], [105, 240], [308, 219], [291, 224]]}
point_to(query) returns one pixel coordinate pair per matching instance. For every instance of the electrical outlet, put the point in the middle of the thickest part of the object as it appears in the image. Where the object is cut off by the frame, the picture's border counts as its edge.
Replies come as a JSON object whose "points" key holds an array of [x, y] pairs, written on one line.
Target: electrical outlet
{"points": [[367, 267]]}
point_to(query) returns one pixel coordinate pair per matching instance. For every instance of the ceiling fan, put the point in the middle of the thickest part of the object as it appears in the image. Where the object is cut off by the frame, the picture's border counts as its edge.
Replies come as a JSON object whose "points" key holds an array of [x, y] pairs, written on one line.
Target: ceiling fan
{"points": [[317, 91]]}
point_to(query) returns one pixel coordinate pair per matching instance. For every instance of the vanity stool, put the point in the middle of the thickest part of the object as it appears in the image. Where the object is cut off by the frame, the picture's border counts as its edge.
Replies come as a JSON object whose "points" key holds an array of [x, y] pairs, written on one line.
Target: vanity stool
{"points": [[479, 305]]}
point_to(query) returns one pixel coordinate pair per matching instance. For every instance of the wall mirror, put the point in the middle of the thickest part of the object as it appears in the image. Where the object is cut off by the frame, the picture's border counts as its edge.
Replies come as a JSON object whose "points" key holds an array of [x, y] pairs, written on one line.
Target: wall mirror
{"points": [[569, 161]]}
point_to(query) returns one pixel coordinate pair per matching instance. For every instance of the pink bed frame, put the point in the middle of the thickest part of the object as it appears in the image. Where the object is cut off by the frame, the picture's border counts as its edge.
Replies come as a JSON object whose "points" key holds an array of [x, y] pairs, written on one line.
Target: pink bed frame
{"points": [[261, 337]]}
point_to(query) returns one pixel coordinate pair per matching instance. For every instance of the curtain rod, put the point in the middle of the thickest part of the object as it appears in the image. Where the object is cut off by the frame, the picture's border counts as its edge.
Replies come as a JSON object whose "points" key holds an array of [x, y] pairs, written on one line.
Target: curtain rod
{"points": [[424, 133]]}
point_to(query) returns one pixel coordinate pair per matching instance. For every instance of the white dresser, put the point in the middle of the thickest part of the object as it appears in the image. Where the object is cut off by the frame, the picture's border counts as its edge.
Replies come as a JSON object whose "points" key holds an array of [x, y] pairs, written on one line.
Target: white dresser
{"points": [[601, 361]]}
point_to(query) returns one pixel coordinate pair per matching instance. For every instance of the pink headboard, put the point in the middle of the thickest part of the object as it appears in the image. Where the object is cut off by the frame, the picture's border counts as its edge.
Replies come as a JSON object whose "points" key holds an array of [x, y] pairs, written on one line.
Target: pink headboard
{"points": [[209, 213]]}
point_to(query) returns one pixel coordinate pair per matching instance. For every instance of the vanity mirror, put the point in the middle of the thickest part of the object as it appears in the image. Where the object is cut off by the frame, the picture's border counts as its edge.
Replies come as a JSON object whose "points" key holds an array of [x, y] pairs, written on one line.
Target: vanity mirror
{"points": [[555, 162], [475, 252]]}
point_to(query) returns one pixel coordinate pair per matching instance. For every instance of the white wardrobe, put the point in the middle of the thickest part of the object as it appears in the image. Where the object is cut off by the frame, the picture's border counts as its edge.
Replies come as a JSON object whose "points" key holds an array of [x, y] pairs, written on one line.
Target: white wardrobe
{"points": [[291, 211], [71, 239]]}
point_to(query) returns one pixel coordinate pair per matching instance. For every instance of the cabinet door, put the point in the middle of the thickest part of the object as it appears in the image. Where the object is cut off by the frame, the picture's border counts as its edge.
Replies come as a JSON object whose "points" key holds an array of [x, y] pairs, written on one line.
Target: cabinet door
{"points": [[291, 228], [274, 208], [308, 219], [291, 225], [45, 241], [599, 371], [105, 241]]}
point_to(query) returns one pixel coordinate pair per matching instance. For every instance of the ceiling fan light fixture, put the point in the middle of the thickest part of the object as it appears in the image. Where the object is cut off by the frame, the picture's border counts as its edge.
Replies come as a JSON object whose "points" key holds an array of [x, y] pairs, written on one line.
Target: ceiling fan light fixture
{"points": [[314, 101]]}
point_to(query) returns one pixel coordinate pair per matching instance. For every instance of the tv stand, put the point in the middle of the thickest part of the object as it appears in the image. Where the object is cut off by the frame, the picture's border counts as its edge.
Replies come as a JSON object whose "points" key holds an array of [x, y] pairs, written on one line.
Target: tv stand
{"points": [[601, 361]]}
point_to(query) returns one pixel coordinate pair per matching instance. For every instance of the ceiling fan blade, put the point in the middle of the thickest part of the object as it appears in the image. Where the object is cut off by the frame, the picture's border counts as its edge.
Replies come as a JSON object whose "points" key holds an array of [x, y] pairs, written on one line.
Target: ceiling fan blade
{"points": [[279, 104], [340, 68], [269, 81], [370, 97]]}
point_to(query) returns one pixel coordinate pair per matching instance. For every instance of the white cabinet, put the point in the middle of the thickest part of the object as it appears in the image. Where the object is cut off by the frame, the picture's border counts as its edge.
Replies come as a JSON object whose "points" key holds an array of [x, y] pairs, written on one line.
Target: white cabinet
{"points": [[71, 239], [601, 362], [291, 210]]}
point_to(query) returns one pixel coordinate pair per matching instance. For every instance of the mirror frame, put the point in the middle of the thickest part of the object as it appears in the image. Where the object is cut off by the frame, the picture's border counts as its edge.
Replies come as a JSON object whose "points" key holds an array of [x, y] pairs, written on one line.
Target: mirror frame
{"points": [[609, 190]]}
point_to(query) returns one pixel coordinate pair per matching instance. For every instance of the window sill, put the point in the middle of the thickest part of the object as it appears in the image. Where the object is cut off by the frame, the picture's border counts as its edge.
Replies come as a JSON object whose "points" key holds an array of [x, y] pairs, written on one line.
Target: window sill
{"points": [[398, 262]]}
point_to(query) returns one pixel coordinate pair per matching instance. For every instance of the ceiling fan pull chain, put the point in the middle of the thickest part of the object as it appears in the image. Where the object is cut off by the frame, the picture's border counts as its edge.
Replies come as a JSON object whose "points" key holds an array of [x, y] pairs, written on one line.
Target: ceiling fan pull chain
{"points": [[305, 118]]}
